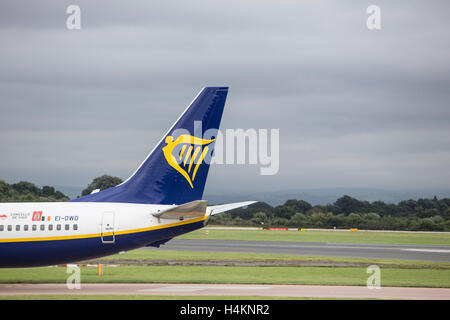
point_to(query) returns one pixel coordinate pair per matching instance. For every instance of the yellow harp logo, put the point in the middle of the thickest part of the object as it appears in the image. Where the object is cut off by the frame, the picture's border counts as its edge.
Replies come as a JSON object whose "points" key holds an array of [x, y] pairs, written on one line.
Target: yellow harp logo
{"points": [[189, 157]]}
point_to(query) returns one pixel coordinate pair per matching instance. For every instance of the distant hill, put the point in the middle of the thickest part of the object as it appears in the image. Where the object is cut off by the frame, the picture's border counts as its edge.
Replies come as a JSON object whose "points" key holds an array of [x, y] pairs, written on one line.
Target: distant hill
{"points": [[71, 192], [319, 196], [324, 196]]}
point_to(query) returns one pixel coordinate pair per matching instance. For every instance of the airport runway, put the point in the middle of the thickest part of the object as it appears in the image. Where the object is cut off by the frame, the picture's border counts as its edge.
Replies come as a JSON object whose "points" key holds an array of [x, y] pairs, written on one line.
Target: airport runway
{"points": [[376, 251], [340, 292]]}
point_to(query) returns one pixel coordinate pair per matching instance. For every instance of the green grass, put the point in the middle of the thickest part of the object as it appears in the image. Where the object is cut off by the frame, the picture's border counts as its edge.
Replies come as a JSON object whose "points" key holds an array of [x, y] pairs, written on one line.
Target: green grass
{"points": [[146, 255], [322, 236], [250, 275], [401, 273]]}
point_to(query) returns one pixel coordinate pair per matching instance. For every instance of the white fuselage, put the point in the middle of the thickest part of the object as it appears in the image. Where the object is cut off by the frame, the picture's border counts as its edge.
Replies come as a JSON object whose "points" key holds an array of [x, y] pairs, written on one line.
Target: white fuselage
{"points": [[79, 230], [86, 216]]}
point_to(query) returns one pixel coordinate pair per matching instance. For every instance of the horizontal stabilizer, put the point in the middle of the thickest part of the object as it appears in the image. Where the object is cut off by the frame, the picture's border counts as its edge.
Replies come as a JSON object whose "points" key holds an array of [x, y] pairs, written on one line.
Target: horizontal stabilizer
{"points": [[212, 210], [192, 209]]}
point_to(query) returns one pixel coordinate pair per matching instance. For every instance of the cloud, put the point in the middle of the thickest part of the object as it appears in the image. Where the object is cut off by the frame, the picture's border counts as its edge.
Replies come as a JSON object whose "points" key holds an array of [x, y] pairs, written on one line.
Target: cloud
{"points": [[354, 107]]}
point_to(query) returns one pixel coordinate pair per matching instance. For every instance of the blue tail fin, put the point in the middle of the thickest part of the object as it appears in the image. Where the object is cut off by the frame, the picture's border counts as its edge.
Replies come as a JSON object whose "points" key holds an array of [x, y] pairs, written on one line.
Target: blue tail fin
{"points": [[175, 171]]}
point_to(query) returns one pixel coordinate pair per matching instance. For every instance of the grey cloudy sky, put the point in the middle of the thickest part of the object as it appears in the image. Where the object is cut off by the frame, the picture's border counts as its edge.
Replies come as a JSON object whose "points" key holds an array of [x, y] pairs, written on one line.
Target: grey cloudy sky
{"points": [[355, 108]]}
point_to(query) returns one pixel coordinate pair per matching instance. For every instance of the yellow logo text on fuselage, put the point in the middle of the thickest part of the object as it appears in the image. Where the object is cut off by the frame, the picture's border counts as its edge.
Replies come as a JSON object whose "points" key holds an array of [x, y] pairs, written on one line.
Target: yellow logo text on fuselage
{"points": [[186, 142]]}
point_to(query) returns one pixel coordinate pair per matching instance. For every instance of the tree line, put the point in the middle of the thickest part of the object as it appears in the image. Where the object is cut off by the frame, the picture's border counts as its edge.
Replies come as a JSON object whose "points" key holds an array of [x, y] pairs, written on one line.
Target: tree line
{"points": [[346, 212], [24, 191]]}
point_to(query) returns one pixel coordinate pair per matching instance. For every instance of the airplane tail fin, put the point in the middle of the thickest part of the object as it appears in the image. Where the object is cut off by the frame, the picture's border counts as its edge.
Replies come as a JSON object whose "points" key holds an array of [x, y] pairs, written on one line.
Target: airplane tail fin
{"points": [[175, 171]]}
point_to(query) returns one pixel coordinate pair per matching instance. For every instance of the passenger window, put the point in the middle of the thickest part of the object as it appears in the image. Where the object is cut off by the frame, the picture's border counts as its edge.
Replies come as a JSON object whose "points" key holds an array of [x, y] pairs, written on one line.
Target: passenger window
{"points": [[58, 227], [25, 227], [50, 227], [17, 227], [1, 227], [67, 227], [34, 227], [9, 227], [42, 227], [75, 227]]}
